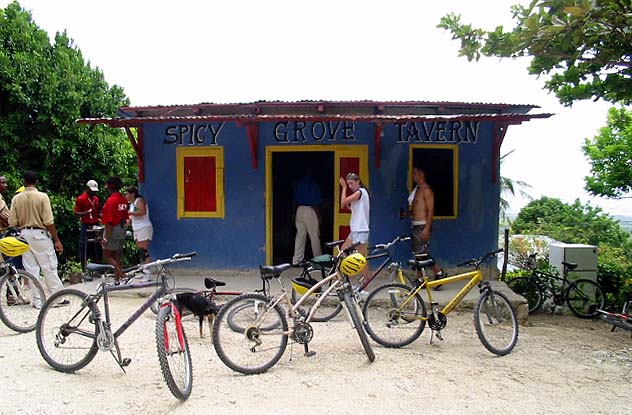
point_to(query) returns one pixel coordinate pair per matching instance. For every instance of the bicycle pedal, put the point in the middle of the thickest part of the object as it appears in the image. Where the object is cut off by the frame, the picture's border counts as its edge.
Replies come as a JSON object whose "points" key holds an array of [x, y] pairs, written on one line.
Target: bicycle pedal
{"points": [[439, 336], [125, 362], [310, 354]]}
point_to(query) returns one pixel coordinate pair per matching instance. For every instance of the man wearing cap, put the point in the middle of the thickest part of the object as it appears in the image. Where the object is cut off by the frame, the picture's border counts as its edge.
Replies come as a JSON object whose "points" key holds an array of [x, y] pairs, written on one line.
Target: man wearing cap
{"points": [[88, 208], [32, 213]]}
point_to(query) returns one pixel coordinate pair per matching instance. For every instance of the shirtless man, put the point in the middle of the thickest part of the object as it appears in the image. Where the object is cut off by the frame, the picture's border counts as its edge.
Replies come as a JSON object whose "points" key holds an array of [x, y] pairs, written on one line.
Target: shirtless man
{"points": [[421, 202]]}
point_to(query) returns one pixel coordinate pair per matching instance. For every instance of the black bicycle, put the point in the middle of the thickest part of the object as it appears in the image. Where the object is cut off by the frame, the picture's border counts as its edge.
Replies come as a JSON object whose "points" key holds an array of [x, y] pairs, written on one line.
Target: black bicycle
{"points": [[584, 297], [71, 328]]}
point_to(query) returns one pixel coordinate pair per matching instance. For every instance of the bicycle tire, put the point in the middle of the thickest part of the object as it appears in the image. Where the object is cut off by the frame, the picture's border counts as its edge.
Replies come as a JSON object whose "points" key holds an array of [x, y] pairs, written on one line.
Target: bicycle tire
{"points": [[528, 289], [233, 320], [174, 354], [386, 323], [18, 300], [496, 323], [155, 306], [60, 346], [585, 298], [251, 350], [617, 322], [352, 308]]}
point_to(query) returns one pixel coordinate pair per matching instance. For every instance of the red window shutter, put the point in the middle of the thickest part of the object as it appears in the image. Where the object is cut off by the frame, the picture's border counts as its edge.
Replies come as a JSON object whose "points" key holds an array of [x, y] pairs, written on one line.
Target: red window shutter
{"points": [[200, 179]]}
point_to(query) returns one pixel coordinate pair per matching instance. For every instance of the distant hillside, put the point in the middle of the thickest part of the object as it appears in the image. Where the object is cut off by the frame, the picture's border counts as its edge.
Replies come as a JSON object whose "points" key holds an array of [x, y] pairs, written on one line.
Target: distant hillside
{"points": [[624, 221]]}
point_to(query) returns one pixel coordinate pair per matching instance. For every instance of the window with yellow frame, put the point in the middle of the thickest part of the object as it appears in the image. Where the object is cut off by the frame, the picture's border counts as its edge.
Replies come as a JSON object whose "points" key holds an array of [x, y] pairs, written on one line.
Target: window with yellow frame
{"points": [[200, 182], [441, 164]]}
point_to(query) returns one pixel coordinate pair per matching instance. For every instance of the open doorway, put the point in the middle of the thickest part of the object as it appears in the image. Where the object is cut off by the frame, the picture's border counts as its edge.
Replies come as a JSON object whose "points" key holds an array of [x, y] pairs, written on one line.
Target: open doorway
{"points": [[287, 168]]}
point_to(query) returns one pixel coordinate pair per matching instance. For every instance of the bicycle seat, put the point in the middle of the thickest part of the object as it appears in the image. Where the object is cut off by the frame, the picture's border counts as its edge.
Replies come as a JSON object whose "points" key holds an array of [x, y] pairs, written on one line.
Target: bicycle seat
{"points": [[273, 271], [322, 261], [570, 265], [334, 243], [210, 283], [418, 265], [100, 268]]}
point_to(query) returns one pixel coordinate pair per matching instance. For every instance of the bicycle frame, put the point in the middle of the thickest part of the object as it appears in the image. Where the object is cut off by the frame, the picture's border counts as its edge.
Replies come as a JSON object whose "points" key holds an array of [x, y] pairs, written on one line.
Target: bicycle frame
{"points": [[474, 277]]}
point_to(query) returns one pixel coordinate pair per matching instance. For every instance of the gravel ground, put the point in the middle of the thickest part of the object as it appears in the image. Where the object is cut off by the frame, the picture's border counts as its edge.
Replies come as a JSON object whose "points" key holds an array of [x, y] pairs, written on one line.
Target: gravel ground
{"points": [[561, 365]]}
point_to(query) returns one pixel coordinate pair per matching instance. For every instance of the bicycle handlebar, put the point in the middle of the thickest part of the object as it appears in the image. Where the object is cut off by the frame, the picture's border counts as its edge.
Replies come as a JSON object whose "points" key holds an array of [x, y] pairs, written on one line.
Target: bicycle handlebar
{"points": [[160, 262], [400, 238], [478, 261]]}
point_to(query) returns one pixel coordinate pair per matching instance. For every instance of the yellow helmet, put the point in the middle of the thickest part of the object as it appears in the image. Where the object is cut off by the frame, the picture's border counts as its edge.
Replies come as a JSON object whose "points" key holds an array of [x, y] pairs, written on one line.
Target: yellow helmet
{"points": [[353, 264], [13, 245]]}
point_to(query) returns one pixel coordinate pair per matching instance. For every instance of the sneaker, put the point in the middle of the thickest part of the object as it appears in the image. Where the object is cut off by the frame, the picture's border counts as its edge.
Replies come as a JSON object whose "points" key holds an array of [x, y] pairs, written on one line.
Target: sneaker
{"points": [[438, 277], [62, 303]]}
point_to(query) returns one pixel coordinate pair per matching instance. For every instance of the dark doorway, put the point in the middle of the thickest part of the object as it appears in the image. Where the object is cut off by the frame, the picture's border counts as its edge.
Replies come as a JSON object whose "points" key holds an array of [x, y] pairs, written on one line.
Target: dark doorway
{"points": [[439, 167], [287, 168]]}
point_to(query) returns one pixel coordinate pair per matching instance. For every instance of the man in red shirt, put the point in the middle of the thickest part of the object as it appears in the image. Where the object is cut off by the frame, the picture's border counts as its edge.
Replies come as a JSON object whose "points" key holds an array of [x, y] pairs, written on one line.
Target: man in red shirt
{"points": [[88, 208], [115, 221]]}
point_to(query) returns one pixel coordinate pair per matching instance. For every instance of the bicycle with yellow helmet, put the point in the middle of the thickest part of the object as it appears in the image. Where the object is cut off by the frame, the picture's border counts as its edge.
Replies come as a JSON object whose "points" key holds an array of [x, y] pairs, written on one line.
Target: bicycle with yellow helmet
{"points": [[251, 332], [21, 294]]}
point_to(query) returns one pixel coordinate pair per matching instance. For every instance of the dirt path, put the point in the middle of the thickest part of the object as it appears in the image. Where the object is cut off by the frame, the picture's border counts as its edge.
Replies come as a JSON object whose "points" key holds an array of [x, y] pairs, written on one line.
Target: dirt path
{"points": [[561, 365]]}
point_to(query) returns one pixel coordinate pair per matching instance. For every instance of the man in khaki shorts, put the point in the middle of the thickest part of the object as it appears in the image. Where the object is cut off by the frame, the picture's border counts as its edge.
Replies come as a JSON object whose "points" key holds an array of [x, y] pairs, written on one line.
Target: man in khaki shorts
{"points": [[32, 214], [421, 202]]}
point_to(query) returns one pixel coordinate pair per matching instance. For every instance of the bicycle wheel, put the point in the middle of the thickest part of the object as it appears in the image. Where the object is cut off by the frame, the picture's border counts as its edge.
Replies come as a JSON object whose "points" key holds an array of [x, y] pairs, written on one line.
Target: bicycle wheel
{"points": [[527, 288], [617, 321], [260, 342], [585, 298], [496, 322], [329, 307], [388, 321], [173, 353], [20, 294], [352, 308], [66, 330], [155, 306]]}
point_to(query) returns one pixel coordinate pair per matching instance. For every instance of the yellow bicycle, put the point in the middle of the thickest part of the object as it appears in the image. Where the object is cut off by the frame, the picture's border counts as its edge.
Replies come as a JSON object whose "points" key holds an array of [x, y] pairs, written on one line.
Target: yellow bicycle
{"points": [[395, 314]]}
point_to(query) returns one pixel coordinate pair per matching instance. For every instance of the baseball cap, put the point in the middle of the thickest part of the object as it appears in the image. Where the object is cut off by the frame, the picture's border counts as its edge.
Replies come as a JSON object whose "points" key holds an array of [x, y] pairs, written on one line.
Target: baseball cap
{"points": [[93, 185]]}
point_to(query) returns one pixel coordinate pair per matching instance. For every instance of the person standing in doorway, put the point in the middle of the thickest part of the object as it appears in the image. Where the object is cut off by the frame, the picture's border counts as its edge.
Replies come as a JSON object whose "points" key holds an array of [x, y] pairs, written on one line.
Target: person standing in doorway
{"points": [[31, 212], [88, 208], [141, 225], [355, 197], [307, 198], [115, 221], [421, 203]]}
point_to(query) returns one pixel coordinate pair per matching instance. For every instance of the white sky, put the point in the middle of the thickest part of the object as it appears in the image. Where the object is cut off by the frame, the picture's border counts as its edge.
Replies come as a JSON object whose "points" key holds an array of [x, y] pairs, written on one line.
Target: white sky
{"points": [[187, 52]]}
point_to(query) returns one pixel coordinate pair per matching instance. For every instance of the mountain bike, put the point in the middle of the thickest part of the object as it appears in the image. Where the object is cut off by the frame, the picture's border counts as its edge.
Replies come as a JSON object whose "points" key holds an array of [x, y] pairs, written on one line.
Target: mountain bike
{"points": [[584, 297], [251, 332], [622, 320], [71, 328], [330, 307], [21, 294], [395, 314]]}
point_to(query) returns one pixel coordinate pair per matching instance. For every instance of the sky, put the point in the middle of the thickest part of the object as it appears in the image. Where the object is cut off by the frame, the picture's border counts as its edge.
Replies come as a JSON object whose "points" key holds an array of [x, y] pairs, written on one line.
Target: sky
{"points": [[226, 51]]}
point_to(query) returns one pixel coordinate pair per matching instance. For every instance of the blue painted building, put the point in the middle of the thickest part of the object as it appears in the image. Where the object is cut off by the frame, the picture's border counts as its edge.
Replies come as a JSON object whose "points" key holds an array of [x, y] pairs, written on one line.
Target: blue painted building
{"points": [[218, 177]]}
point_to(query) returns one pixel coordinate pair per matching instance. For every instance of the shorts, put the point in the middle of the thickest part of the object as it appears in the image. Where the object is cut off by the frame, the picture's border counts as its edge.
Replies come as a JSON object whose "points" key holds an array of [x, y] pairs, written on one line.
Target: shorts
{"points": [[359, 236], [420, 247], [144, 234], [117, 237]]}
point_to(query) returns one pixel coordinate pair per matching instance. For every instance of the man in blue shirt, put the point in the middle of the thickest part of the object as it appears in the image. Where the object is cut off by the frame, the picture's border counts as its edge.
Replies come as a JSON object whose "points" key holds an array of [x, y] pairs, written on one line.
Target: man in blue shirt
{"points": [[307, 198]]}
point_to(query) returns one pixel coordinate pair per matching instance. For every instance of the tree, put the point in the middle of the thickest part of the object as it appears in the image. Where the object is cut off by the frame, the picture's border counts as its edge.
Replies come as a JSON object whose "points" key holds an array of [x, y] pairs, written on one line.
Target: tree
{"points": [[610, 156], [584, 45], [510, 186], [575, 223], [44, 89]]}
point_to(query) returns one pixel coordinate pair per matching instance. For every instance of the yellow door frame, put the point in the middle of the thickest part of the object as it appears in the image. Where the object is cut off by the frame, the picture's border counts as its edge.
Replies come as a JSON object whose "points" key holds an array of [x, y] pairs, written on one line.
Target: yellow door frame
{"points": [[339, 150]]}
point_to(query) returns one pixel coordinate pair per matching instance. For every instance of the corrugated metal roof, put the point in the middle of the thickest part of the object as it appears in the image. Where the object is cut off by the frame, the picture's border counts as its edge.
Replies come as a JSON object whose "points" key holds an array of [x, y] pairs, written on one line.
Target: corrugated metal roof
{"points": [[511, 118]]}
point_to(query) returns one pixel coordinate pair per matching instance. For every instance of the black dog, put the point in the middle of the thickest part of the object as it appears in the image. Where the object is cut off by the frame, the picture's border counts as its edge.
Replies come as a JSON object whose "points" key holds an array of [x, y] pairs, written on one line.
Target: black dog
{"points": [[200, 306]]}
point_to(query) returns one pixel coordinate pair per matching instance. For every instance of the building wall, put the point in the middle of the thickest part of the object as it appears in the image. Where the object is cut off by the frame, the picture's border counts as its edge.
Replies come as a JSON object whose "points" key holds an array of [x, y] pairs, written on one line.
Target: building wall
{"points": [[238, 241]]}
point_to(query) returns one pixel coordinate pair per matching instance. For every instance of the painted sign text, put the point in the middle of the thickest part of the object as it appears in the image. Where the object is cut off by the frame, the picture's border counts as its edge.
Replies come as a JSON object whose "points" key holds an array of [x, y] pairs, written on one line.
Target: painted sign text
{"points": [[319, 131], [438, 132], [193, 134]]}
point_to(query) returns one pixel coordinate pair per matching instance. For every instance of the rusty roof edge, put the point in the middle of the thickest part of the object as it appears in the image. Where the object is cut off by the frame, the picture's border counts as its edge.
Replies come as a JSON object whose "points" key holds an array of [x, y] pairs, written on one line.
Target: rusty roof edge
{"points": [[136, 121]]}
